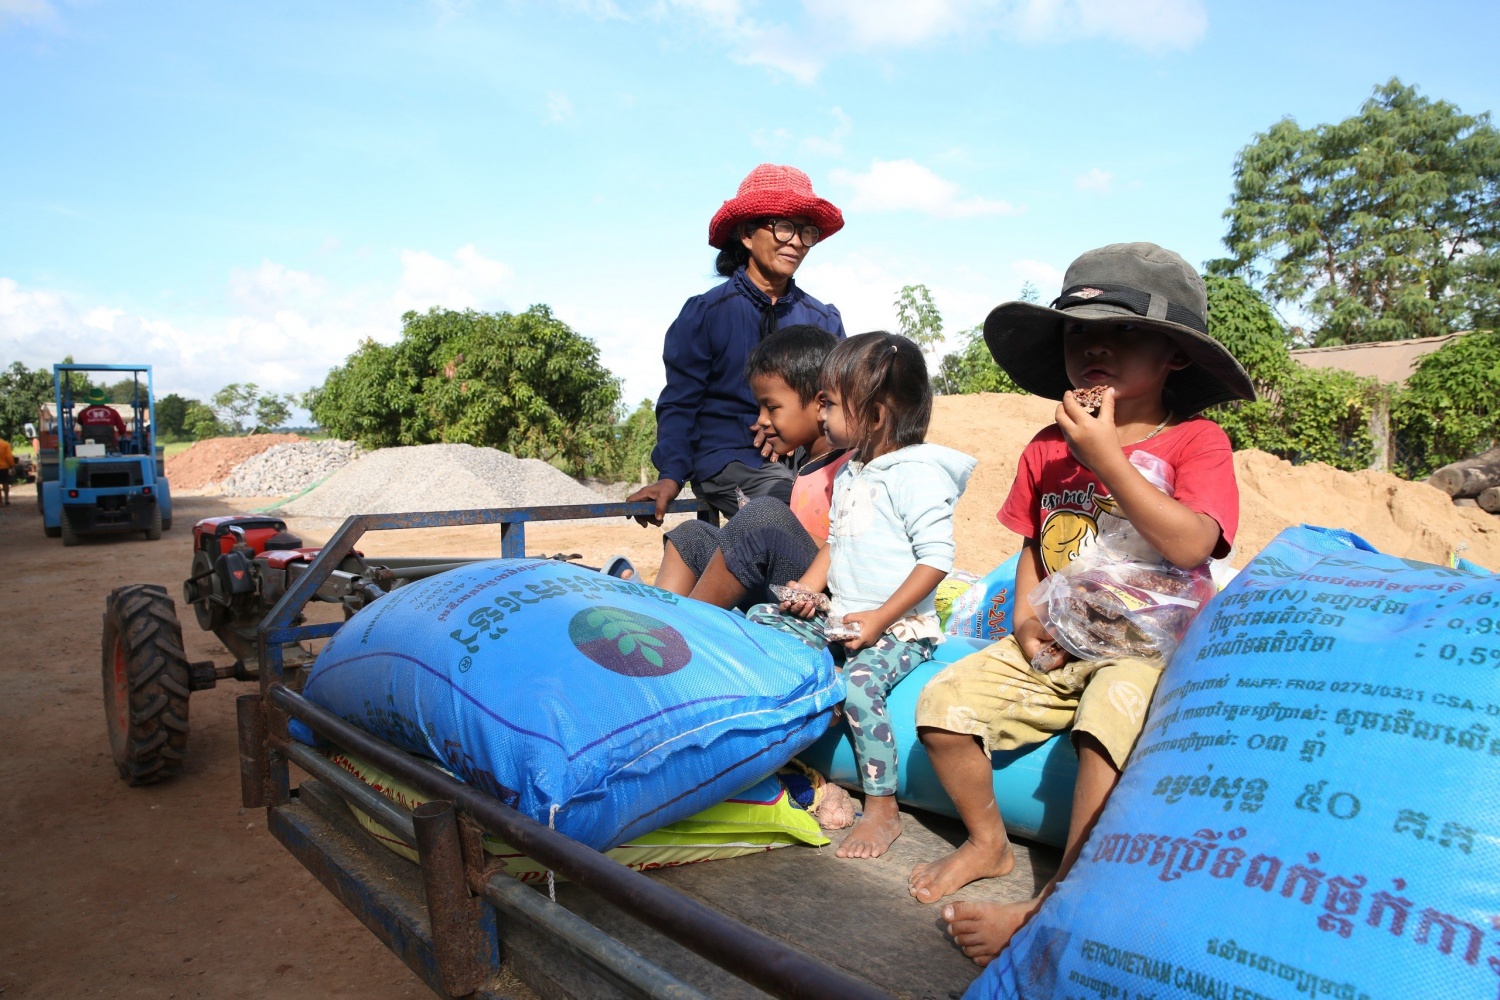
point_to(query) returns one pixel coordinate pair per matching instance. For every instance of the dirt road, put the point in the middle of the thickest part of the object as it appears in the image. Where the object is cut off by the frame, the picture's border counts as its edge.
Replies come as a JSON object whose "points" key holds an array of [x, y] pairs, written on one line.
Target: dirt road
{"points": [[169, 890]]}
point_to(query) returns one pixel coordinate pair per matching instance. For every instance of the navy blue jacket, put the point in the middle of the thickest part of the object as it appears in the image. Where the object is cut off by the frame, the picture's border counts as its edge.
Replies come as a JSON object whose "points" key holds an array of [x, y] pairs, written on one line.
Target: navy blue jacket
{"points": [[703, 416]]}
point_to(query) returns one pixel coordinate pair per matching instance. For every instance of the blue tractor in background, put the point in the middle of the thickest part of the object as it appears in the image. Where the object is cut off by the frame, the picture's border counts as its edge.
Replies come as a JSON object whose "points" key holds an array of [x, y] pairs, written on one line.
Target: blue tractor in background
{"points": [[103, 474]]}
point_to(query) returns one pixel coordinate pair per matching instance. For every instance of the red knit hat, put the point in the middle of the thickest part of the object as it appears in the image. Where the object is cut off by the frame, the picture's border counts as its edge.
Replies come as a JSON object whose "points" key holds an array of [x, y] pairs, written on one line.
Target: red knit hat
{"points": [[771, 189]]}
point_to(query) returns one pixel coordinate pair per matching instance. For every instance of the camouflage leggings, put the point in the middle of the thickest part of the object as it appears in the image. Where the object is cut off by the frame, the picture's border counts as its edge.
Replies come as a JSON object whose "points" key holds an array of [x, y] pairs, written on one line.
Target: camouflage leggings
{"points": [[869, 676]]}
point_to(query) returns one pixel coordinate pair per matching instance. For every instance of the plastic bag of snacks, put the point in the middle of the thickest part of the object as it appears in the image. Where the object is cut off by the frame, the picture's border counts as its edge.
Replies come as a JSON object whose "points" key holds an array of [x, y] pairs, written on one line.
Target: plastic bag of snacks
{"points": [[1120, 597]]}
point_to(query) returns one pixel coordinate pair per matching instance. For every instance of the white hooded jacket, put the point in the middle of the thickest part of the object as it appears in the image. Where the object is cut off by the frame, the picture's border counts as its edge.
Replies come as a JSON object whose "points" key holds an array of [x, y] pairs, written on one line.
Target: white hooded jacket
{"points": [[888, 516]]}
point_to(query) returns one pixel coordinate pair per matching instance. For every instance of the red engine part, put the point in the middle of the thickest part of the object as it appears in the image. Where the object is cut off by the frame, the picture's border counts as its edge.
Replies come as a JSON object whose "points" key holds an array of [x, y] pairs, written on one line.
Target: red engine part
{"points": [[282, 558], [224, 532]]}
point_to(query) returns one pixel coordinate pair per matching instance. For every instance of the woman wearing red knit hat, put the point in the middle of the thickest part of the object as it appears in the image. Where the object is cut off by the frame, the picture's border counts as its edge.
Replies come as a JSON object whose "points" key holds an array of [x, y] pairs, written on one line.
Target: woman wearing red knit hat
{"points": [[705, 413]]}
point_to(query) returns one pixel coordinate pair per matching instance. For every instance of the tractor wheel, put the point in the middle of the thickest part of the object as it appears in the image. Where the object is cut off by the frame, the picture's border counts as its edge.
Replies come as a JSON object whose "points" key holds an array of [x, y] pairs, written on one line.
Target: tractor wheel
{"points": [[153, 533], [51, 532], [146, 684], [65, 528]]}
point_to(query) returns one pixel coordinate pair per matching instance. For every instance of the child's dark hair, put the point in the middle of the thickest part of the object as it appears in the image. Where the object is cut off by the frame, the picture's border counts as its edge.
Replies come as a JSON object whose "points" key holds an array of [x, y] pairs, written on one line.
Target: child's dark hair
{"points": [[884, 369], [794, 354]]}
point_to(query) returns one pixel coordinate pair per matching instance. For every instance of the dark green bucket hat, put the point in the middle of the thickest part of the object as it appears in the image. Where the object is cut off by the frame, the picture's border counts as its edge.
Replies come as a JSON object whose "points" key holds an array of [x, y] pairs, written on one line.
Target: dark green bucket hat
{"points": [[1150, 286]]}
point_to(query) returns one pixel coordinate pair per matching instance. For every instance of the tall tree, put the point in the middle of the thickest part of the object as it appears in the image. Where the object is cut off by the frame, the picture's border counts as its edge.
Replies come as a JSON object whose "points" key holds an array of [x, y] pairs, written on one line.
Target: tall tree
{"points": [[171, 412], [234, 403], [920, 322], [524, 382], [272, 411], [1383, 226], [1301, 414], [22, 391]]}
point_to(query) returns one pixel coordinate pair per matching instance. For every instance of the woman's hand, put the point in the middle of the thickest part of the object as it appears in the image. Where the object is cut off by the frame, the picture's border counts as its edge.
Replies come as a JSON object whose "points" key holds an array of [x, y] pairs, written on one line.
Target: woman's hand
{"points": [[761, 444], [663, 492]]}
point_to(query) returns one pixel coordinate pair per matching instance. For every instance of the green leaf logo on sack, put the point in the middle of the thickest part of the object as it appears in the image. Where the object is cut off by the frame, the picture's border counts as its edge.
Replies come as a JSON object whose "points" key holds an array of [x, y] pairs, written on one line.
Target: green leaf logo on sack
{"points": [[628, 643]]}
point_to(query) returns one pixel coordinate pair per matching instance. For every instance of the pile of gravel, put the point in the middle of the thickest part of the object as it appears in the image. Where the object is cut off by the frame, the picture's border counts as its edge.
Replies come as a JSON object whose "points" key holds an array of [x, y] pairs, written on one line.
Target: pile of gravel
{"points": [[289, 468], [434, 477]]}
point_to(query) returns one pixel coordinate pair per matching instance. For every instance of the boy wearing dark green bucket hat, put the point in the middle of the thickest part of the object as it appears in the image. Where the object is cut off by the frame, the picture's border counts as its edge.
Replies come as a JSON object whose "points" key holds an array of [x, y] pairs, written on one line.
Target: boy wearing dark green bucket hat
{"points": [[1130, 327]]}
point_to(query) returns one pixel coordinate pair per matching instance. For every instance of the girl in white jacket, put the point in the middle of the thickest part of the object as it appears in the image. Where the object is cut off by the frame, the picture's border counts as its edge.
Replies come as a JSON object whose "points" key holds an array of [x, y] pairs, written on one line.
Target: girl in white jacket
{"points": [[890, 543]]}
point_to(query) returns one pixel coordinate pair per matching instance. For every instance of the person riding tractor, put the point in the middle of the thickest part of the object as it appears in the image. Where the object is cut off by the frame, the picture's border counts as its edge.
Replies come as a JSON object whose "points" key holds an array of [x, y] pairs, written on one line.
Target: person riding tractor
{"points": [[100, 422]]}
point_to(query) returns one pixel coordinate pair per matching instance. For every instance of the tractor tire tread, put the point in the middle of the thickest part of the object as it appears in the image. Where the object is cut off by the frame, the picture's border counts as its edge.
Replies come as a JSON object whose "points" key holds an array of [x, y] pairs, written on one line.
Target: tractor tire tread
{"points": [[142, 619]]}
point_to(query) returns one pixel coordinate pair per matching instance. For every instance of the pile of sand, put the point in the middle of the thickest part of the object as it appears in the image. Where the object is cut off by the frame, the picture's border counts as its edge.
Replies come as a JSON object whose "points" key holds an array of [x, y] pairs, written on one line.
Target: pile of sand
{"points": [[1412, 520], [210, 461]]}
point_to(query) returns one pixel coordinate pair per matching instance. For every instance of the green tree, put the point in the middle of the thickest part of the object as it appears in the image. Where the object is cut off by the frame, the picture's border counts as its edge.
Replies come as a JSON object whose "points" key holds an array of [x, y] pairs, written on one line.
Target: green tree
{"points": [[973, 369], [202, 422], [1447, 411], [633, 438], [1383, 226], [234, 403], [524, 382], [124, 391], [22, 392], [1301, 414], [918, 319], [171, 413], [272, 411]]}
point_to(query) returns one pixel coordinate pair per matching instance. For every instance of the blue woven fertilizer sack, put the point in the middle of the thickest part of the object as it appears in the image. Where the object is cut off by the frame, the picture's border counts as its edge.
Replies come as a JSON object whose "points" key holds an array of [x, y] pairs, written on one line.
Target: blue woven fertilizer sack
{"points": [[1313, 809], [603, 708], [987, 609]]}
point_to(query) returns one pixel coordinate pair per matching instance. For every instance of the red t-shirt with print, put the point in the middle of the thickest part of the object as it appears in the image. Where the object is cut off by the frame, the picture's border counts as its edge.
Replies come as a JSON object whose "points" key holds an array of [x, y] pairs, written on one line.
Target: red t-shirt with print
{"points": [[1056, 501]]}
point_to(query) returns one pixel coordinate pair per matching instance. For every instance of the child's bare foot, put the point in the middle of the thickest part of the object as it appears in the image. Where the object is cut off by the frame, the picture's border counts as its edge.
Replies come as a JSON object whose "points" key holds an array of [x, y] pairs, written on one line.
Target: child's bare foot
{"points": [[873, 835], [836, 810], [983, 930], [971, 862]]}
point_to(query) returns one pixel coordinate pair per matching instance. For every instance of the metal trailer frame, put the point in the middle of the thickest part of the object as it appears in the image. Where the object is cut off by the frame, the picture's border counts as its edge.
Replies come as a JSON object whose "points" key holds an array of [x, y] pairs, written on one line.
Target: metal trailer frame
{"points": [[453, 942]]}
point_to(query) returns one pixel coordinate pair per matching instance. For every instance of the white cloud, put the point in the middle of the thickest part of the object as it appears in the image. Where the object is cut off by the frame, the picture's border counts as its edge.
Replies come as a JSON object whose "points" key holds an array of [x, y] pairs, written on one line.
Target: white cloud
{"points": [[102, 318], [469, 281], [870, 24], [1046, 277], [559, 108], [268, 287], [1152, 25], [833, 143], [906, 185], [781, 142], [447, 10], [27, 12], [774, 36], [1100, 181]]}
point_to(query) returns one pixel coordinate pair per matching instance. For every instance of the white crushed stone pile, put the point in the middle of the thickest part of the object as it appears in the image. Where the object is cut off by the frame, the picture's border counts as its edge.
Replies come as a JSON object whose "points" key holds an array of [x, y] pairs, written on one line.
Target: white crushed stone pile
{"points": [[289, 468], [439, 477]]}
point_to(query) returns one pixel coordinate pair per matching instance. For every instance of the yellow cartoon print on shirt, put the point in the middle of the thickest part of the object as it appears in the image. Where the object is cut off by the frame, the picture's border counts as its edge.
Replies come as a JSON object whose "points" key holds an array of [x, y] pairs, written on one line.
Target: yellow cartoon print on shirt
{"points": [[1068, 530]]}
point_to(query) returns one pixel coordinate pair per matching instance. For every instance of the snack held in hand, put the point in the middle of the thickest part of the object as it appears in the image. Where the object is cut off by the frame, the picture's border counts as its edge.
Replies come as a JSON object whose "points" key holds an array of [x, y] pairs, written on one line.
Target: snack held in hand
{"points": [[797, 595], [839, 630], [1048, 656], [1090, 399]]}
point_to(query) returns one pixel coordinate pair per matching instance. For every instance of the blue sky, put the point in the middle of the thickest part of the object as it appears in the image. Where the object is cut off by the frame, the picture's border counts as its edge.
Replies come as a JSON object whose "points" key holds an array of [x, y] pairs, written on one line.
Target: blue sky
{"points": [[237, 192]]}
